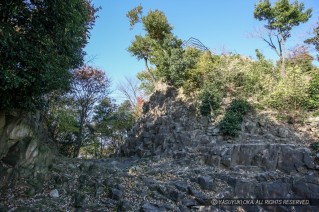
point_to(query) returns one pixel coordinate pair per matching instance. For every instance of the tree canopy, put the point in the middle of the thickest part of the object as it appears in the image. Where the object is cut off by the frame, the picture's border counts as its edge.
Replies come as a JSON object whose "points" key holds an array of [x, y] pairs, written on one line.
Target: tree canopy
{"points": [[159, 47], [40, 41], [282, 16], [280, 19], [156, 25]]}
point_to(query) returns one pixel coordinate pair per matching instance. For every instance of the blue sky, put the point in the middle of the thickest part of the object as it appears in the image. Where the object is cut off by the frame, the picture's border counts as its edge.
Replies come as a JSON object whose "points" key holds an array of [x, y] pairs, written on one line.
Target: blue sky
{"points": [[218, 24]]}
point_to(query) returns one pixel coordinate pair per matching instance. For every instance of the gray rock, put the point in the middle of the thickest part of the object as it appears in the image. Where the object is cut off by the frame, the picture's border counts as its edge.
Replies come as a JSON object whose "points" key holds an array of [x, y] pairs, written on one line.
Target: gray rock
{"points": [[250, 127], [263, 121], [204, 139], [176, 196], [290, 159], [109, 202], [179, 154], [213, 131], [18, 131], [125, 206], [205, 121], [116, 194], [178, 127], [135, 170], [54, 193], [272, 190], [231, 180], [181, 186], [199, 196], [212, 160], [269, 136], [226, 160], [244, 189], [161, 189], [147, 134], [182, 208], [149, 207], [71, 166], [23, 151], [283, 132], [205, 182], [78, 199], [265, 176], [189, 202], [306, 190], [99, 190], [302, 169]]}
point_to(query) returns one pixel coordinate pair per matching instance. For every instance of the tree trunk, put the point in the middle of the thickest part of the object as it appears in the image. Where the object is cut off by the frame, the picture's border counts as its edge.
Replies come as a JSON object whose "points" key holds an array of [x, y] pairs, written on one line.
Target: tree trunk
{"points": [[282, 59], [79, 137], [149, 71]]}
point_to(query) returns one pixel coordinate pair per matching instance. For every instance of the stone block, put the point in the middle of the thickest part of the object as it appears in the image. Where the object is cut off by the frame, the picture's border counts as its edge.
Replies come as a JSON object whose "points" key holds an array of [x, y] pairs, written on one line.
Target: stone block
{"points": [[212, 160], [205, 183]]}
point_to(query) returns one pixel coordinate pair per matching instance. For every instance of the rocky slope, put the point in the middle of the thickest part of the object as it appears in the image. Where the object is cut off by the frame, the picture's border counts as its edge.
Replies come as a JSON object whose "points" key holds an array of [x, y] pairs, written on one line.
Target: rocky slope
{"points": [[174, 160]]}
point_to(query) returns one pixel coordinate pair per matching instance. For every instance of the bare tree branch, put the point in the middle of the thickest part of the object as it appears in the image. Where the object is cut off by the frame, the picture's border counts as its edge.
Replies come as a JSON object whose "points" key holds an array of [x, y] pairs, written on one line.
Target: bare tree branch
{"points": [[130, 89]]}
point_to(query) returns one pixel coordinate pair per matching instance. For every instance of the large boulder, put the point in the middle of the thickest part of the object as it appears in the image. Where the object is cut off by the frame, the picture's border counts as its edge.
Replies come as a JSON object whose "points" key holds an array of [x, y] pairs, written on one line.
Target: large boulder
{"points": [[24, 148]]}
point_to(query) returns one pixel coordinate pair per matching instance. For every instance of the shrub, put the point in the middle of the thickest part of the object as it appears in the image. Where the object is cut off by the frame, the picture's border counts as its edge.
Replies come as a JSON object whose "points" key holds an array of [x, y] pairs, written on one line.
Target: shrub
{"points": [[201, 71], [315, 146], [230, 124], [289, 93], [240, 107], [210, 99]]}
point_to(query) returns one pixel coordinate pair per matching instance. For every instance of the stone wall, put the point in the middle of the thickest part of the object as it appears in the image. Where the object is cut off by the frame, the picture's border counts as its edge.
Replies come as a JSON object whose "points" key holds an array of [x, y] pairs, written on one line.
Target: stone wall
{"points": [[267, 160], [24, 151], [168, 124]]}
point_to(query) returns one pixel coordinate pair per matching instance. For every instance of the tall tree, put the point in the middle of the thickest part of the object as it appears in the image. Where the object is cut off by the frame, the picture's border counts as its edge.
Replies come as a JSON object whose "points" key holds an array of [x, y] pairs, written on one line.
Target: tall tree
{"points": [[157, 28], [102, 119], [159, 48], [40, 41], [89, 86], [280, 19]]}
